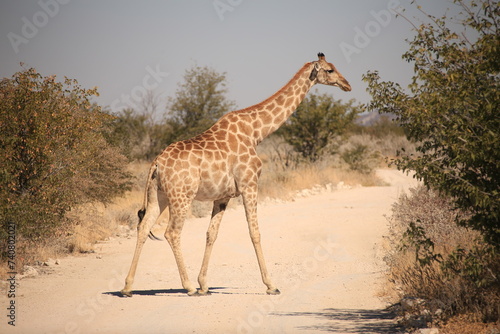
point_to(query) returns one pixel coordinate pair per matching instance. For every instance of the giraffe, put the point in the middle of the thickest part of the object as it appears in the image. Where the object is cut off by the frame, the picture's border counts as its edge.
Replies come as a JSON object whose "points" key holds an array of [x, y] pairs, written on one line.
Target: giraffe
{"points": [[217, 165]]}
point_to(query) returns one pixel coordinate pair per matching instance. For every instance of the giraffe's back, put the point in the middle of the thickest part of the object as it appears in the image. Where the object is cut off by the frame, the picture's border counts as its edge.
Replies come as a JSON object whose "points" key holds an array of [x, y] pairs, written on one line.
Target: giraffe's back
{"points": [[200, 170]]}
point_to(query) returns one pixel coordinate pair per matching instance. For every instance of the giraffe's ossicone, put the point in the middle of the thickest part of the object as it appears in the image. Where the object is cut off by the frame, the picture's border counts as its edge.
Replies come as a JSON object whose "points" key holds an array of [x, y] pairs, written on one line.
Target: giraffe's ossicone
{"points": [[217, 165]]}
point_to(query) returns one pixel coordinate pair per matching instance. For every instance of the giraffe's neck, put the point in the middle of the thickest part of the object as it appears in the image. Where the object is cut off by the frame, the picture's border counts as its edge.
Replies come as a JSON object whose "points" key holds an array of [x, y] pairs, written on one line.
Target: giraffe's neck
{"points": [[267, 116]]}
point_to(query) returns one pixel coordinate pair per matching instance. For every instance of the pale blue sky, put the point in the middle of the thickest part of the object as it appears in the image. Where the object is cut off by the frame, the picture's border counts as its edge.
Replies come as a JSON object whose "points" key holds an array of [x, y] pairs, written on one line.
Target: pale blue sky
{"points": [[124, 47]]}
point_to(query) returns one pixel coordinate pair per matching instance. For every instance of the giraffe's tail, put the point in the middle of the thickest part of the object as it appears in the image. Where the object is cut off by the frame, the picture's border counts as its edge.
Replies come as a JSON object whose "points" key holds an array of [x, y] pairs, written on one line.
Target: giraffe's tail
{"points": [[154, 237], [150, 187]]}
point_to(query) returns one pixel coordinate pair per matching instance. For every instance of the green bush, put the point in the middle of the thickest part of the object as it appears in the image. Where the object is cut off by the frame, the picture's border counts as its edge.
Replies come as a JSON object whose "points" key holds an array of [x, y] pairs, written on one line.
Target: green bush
{"points": [[198, 103], [54, 154], [318, 121], [138, 137], [451, 111], [360, 158], [382, 127]]}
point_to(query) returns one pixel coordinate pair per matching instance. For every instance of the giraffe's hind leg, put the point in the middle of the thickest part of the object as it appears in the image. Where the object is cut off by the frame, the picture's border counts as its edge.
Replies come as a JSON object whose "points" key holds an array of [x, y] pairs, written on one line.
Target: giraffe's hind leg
{"points": [[149, 217], [178, 211]]}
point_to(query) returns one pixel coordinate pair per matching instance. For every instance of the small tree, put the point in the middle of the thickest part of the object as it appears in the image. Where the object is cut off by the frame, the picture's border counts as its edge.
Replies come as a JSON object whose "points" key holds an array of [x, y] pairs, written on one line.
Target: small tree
{"points": [[128, 131], [139, 133], [54, 154], [451, 110], [318, 120], [198, 103]]}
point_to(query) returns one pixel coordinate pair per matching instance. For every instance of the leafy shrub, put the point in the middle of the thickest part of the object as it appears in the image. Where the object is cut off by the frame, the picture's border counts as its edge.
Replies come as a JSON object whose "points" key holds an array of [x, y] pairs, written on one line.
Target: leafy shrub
{"points": [[317, 123], [54, 154], [198, 103], [138, 137], [451, 110], [382, 126], [360, 158]]}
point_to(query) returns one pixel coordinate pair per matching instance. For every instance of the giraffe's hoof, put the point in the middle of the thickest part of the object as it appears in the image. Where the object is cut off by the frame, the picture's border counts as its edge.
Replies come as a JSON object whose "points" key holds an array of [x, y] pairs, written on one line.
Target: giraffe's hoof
{"points": [[273, 291], [199, 293], [126, 293]]}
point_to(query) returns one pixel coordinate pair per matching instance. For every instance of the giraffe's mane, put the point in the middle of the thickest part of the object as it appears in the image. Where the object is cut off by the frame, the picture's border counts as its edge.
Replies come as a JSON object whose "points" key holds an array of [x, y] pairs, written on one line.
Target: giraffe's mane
{"points": [[281, 90]]}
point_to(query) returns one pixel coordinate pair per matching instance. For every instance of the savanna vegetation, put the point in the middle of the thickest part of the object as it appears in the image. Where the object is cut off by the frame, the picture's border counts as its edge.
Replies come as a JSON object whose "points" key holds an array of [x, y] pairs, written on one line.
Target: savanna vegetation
{"points": [[55, 157], [446, 236], [68, 162], [65, 159]]}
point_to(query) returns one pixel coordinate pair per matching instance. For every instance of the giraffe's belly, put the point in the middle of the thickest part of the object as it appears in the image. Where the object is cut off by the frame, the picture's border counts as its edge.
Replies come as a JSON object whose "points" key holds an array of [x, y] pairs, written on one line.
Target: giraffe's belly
{"points": [[217, 188]]}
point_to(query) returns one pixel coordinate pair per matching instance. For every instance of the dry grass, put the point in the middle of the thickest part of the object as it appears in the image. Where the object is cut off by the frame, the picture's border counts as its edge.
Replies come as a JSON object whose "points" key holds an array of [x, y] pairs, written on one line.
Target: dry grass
{"points": [[95, 222], [90, 224], [285, 183], [455, 283], [285, 172], [31, 253], [469, 324]]}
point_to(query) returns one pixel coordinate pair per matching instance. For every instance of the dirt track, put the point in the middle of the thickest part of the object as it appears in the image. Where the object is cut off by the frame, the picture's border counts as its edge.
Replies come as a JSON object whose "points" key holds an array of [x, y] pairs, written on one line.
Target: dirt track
{"points": [[324, 253]]}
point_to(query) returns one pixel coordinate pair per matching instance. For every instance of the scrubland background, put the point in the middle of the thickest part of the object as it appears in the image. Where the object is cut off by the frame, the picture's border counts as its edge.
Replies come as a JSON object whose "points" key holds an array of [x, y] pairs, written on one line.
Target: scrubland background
{"points": [[73, 173]]}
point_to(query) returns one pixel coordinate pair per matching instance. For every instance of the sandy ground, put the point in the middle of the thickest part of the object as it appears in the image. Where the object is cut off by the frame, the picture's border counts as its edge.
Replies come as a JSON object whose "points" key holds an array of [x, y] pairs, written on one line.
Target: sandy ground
{"points": [[323, 251]]}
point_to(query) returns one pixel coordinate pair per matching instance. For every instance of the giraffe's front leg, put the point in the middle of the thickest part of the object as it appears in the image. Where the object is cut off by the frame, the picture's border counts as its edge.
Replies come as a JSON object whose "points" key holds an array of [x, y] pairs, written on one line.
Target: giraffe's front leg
{"points": [[213, 229], [250, 203]]}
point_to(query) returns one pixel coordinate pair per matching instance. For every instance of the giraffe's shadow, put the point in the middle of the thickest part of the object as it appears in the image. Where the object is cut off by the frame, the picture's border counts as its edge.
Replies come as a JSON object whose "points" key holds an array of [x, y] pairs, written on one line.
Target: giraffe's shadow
{"points": [[177, 292]]}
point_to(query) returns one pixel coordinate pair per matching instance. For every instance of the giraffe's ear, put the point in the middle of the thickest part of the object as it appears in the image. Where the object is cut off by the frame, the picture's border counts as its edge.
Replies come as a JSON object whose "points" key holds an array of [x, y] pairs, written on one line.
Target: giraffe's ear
{"points": [[314, 72]]}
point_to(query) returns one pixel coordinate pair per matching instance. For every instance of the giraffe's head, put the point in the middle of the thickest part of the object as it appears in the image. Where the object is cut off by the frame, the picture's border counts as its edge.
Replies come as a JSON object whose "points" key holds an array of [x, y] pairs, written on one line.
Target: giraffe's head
{"points": [[325, 73]]}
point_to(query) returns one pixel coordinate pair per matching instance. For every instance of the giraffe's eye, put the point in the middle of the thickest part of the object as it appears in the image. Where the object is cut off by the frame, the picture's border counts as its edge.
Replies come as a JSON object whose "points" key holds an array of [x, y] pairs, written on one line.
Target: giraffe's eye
{"points": [[329, 71]]}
